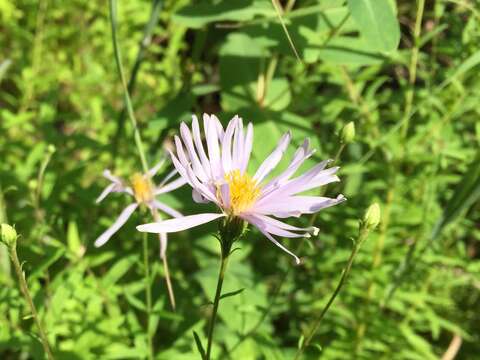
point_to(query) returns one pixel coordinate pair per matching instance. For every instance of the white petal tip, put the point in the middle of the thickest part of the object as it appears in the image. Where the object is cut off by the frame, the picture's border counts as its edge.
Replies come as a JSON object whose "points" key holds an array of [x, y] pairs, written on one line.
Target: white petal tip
{"points": [[315, 230], [142, 228], [98, 244]]}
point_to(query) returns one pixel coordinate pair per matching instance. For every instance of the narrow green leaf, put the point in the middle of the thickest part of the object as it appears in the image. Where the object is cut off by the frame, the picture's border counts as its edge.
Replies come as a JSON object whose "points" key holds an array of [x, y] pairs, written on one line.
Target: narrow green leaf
{"points": [[465, 66], [232, 293], [377, 23], [466, 193], [73, 239], [118, 270], [200, 348]]}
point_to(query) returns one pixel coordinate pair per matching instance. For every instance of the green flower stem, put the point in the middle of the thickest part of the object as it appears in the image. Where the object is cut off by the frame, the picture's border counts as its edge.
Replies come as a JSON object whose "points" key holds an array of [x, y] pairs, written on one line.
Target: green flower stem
{"points": [[412, 69], [128, 102], [148, 294], [363, 234], [28, 298], [142, 45], [216, 301]]}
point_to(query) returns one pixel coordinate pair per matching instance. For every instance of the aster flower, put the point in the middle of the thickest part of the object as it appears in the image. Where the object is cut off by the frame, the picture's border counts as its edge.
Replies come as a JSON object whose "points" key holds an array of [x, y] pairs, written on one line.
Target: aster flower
{"points": [[143, 192], [221, 177]]}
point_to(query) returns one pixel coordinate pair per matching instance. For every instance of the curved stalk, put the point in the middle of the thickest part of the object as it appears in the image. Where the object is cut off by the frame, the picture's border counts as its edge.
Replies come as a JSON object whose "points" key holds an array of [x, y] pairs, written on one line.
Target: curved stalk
{"points": [[28, 298]]}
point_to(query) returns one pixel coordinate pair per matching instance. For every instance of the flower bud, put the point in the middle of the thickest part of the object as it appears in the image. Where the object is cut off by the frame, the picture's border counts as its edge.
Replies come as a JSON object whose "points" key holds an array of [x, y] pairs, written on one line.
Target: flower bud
{"points": [[348, 133], [372, 216], [8, 235], [230, 230], [51, 148]]}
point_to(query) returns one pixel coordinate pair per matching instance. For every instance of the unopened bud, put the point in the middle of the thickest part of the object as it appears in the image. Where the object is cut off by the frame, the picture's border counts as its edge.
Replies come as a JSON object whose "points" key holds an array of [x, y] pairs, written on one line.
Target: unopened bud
{"points": [[348, 133], [32, 184], [230, 230], [372, 216], [51, 148], [8, 235]]}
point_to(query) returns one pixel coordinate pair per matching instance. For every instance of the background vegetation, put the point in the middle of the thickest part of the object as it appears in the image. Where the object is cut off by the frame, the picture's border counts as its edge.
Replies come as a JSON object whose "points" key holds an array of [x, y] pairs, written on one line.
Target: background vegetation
{"points": [[405, 73]]}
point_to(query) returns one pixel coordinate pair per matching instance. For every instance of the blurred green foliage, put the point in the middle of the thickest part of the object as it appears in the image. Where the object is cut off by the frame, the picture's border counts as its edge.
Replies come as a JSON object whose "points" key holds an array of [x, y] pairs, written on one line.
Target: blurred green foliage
{"points": [[413, 96]]}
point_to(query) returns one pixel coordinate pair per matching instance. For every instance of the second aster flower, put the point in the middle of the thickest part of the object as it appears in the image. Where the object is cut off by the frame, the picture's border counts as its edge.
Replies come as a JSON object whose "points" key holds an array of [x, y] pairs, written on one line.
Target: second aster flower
{"points": [[143, 192]]}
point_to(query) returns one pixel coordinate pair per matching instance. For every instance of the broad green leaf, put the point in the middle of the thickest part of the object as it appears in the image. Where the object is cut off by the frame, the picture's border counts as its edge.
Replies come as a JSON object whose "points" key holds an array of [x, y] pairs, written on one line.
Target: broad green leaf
{"points": [[377, 23], [198, 15]]}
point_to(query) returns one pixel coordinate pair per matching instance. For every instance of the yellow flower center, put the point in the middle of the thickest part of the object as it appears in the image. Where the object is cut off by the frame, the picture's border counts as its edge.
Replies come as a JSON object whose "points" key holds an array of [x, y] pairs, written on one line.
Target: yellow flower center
{"points": [[243, 191], [142, 189]]}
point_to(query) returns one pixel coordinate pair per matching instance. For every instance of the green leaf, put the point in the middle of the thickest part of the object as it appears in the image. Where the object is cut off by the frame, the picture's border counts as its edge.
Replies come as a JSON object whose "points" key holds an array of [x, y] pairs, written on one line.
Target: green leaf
{"points": [[198, 15], [73, 239], [118, 270], [231, 293], [465, 66], [377, 23], [45, 264], [466, 193], [200, 348]]}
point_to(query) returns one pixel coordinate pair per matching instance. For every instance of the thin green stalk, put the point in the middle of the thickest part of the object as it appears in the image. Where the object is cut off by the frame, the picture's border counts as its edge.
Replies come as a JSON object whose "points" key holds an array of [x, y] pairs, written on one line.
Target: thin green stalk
{"points": [[216, 302], [413, 68], [28, 298], [148, 295], [279, 12], [4, 263], [128, 103], [363, 234], [144, 42]]}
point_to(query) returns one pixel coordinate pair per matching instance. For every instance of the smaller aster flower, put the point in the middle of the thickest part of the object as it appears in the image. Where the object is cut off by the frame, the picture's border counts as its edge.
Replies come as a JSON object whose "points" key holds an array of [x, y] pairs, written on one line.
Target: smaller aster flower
{"points": [[221, 178], [143, 191]]}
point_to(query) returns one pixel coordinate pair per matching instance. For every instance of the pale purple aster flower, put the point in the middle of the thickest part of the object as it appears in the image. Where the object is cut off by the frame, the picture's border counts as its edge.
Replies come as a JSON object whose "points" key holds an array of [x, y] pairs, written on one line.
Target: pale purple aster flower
{"points": [[143, 191], [220, 177]]}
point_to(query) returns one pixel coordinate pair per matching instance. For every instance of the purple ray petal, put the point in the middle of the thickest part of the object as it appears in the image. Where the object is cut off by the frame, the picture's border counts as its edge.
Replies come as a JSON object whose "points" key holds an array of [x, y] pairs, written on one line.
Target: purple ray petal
{"points": [[247, 148], [198, 198], [299, 157], [238, 142], [213, 147], [175, 184], [296, 205], [109, 189], [196, 164], [273, 159], [122, 219], [153, 171], [165, 208], [178, 224], [261, 226], [114, 179], [227, 146], [311, 229], [198, 144], [163, 244]]}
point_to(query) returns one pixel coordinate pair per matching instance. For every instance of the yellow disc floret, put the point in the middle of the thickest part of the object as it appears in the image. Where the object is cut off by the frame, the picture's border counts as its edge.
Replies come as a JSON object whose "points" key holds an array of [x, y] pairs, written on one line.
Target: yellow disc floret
{"points": [[142, 188], [243, 191]]}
